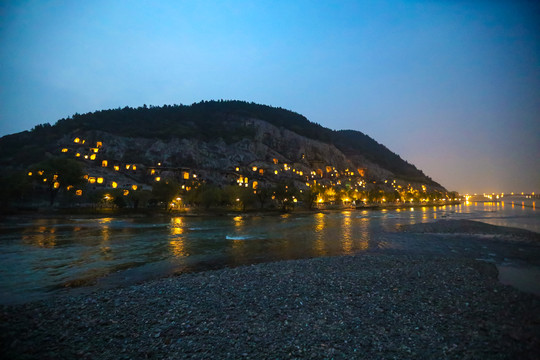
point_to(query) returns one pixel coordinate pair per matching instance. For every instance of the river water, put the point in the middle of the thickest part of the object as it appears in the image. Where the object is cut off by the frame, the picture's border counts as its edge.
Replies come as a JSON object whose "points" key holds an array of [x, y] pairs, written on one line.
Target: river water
{"points": [[48, 256]]}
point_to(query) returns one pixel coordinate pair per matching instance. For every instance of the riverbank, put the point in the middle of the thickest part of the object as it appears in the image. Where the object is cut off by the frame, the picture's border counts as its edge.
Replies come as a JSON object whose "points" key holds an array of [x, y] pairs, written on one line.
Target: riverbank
{"points": [[364, 306], [198, 211]]}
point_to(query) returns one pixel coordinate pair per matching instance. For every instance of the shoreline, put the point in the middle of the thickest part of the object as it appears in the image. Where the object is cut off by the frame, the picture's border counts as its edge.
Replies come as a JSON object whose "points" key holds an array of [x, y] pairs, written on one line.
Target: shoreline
{"points": [[359, 306], [192, 212]]}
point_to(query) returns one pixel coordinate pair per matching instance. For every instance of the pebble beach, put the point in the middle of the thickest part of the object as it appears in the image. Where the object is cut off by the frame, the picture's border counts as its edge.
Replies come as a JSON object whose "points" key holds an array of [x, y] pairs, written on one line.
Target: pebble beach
{"points": [[365, 307]]}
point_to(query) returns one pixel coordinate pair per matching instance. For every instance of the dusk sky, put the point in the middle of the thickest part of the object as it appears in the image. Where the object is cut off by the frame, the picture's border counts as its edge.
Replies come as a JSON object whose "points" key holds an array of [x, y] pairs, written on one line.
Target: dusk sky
{"points": [[452, 87]]}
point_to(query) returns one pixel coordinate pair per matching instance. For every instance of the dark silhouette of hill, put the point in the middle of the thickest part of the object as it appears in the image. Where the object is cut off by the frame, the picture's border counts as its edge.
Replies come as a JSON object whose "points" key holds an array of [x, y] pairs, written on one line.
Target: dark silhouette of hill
{"points": [[206, 120]]}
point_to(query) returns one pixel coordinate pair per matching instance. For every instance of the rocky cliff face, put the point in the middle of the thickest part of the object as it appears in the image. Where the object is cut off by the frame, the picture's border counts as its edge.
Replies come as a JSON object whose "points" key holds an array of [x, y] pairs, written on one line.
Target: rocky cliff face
{"points": [[271, 155]]}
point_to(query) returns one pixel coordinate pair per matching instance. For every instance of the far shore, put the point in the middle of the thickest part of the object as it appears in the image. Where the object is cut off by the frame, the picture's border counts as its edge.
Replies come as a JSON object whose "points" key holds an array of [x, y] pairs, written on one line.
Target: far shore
{"points": [[52, 212]]}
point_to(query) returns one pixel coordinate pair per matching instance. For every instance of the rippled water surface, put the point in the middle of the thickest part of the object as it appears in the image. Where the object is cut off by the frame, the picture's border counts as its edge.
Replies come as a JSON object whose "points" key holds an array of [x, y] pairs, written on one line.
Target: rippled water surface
{"points": [[44, 256]]}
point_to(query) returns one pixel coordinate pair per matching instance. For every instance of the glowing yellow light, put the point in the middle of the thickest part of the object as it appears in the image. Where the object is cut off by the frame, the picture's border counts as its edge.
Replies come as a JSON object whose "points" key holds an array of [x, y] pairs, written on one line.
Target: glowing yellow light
{"points": [[64, 150], [93, 157], [91, 180], [78, 192], [158, 178], [69, 187], [134, 167], [254, 168], [56, 185], [95, 150], [99, 180], [45, 180], [104, 163], [29, 173], [126, 192], [114, 185], [237, 168], [77, 140], [275, 172], [127, 166], [116, 167], [134, 187]]}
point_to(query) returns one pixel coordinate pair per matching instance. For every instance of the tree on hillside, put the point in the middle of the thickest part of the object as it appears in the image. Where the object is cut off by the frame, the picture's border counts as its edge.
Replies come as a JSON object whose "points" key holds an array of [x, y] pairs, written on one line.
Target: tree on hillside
{"points": [[57, 174]]}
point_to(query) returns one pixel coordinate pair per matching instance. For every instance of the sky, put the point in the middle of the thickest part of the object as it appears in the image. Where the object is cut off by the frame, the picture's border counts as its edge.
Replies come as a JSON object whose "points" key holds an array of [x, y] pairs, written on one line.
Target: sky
{"points": [[453, 87]]}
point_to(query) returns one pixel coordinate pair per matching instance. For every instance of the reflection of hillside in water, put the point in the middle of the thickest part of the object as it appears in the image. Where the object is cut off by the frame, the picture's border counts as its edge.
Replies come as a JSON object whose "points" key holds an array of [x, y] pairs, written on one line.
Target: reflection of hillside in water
{"points": [[46, 253]]}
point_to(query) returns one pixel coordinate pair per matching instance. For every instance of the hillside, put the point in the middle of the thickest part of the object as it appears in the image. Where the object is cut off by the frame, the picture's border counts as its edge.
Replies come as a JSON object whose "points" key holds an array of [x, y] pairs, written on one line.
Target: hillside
{"points": [[205, 121], [218, 143]]}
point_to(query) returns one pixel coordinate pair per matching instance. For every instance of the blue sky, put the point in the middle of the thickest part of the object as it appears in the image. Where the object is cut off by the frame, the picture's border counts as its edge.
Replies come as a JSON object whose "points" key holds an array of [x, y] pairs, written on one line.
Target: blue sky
{"points": [[453, 87]]}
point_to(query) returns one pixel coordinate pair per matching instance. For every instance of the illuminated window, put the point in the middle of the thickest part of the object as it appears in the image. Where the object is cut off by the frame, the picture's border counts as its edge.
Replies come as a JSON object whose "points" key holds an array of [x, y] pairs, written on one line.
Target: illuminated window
{"points": [[78, 192], [104, 163], [127, 167], [152, 172], [99, 144], [99, 180], [255, 184], [77, 155], [56, 185], [275, 172], [158, 178], [77, 140], [116, 167], [64, 150], [93, 157], [275, 160], [185, 175], [134, 168], [91, 180], [114, 184], [126, 192], [254, 168], [261, 171], [237, 168], [29, 173], [69, 187], [134, 187]]}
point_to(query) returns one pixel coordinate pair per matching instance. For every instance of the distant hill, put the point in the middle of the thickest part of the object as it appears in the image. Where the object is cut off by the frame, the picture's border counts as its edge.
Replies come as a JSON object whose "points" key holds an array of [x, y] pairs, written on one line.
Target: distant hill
{"points": [[207, 122]]}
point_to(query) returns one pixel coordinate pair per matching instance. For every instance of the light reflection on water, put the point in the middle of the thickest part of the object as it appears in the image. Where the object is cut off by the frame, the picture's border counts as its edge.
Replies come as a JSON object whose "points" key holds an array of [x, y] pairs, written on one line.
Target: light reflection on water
{"points": [[46, 254]]}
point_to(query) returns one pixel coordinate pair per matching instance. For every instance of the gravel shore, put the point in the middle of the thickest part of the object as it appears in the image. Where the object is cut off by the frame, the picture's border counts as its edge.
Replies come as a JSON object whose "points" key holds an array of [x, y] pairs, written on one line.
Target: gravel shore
{"points": [[351, 307]]}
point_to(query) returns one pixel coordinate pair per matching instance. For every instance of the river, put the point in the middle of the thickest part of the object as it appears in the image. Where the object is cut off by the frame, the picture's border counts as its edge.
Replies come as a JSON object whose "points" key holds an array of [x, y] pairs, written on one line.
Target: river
{"points": [[40, 257]]}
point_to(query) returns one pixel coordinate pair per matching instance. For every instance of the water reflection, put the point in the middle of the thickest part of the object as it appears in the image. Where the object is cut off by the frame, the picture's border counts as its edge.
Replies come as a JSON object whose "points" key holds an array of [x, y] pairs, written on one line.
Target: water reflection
{"points": [[177, 242], [319, 234], [177, 226], [346, 239], [363, 240], [43, 237], [46, 252]]}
